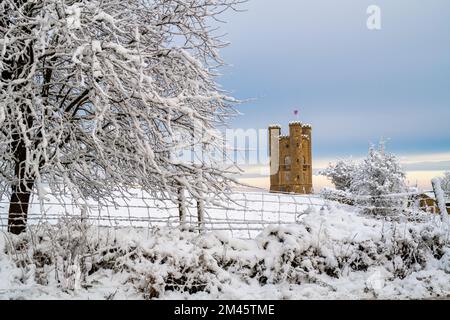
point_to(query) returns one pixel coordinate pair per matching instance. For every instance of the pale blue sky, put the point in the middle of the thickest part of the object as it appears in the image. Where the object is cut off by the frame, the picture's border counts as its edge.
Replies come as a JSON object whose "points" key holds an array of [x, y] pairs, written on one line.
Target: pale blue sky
{"points": [[353, 85]]}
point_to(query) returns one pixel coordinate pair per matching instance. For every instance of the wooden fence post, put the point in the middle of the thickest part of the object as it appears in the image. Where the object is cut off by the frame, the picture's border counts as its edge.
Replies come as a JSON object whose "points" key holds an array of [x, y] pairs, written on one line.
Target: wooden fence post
{"points": [[440, 198], [182, 207], [201, 214]]}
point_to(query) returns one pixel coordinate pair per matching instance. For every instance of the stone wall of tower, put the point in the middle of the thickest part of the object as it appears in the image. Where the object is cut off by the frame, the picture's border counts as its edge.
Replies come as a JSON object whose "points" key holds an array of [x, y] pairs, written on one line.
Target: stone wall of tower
{"points": [[274, 147], [297, 153], [294, 154], [307, 166], [283, 169]]}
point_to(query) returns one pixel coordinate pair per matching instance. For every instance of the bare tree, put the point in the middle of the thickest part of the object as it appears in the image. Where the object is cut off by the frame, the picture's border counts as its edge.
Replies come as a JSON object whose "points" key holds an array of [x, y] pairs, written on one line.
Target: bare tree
{"points": [[98, 96]]}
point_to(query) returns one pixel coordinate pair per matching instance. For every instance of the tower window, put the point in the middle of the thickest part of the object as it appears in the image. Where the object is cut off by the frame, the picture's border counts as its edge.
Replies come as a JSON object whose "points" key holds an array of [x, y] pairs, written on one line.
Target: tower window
{"points": [[287, 177], [287, 161]]}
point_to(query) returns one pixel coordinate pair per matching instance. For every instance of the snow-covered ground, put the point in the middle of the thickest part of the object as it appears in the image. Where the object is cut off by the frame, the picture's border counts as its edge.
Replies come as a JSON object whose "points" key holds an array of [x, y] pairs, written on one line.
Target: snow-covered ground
{"points": [[330, 252]]}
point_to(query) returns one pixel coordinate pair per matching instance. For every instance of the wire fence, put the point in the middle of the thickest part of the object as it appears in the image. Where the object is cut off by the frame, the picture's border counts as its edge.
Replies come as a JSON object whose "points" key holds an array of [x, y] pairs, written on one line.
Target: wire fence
{"points": [[243, 215]]}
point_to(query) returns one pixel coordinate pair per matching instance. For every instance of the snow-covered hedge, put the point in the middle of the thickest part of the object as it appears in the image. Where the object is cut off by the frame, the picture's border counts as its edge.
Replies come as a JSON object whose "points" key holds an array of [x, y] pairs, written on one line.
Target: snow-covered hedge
{"points": [[337, 195], [331, 253]]}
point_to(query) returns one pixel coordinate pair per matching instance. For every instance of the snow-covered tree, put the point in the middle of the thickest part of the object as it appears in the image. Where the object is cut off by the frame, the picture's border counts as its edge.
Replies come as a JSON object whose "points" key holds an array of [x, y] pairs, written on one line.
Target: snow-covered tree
{"points": [[370, 183], [340, 173], [98, 95], [377, 181]]}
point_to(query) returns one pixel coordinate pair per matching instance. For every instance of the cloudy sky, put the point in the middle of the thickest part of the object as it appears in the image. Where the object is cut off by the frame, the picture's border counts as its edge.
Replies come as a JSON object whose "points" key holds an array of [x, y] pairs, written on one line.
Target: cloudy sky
{"points": [[352, 84]]}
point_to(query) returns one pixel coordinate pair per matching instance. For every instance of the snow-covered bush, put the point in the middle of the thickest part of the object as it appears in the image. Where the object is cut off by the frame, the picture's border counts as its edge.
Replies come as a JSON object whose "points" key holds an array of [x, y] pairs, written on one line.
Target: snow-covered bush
{"points": [[331, 252], [376, 183], [337, 195], [58, 255], [340, 173], [379, 182]]}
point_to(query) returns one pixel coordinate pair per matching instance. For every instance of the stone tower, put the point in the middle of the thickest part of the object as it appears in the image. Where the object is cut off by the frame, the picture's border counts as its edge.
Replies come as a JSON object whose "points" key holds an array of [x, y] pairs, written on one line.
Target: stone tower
{"points": [[291, 159]]}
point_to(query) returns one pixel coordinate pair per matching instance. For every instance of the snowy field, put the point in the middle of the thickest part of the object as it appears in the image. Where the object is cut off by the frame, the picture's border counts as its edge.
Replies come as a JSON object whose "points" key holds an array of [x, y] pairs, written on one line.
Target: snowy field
{"points": [[327, 251]]}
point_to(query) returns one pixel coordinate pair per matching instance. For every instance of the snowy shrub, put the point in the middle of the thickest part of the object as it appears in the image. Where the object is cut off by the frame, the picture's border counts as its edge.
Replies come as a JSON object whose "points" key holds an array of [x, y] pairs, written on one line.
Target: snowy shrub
{"points": [[375, 184], [378, 178], [181, 276], [341, 173], [319, 247], [299, 258], [62, 251], [332, 251], [337, 195]]}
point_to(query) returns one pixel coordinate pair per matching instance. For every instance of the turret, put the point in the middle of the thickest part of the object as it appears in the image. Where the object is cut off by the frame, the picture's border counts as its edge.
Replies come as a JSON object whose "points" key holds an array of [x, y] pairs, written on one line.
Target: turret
{"points": [[307, 129], [296, 132], [274, 134], [307, 134], [274, 154]]}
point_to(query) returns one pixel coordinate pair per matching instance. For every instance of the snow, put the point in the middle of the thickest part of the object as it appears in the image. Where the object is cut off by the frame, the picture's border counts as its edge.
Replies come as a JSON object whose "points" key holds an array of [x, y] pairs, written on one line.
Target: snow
{"points": [[440, 198], [2, 113], [103, 16], [333, 253], [96, 46], [74, 15], [122, 51]]}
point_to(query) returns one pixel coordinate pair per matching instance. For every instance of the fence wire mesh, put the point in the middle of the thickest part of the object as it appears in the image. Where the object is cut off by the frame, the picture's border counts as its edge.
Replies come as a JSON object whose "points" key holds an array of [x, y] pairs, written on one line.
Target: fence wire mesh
{"points": [[243, 215]]}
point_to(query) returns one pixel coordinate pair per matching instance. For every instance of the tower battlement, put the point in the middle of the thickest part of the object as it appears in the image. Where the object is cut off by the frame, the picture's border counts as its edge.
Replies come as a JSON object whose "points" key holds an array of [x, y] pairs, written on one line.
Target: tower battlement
{"points": [[291, 158]]}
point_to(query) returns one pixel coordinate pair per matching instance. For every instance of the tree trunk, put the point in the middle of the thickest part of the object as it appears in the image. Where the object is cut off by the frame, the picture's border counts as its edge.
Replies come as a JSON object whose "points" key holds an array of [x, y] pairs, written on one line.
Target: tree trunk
{"points": [[16, 68], [201, 214], [182, 206], [20, 193], [18, 208]]}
